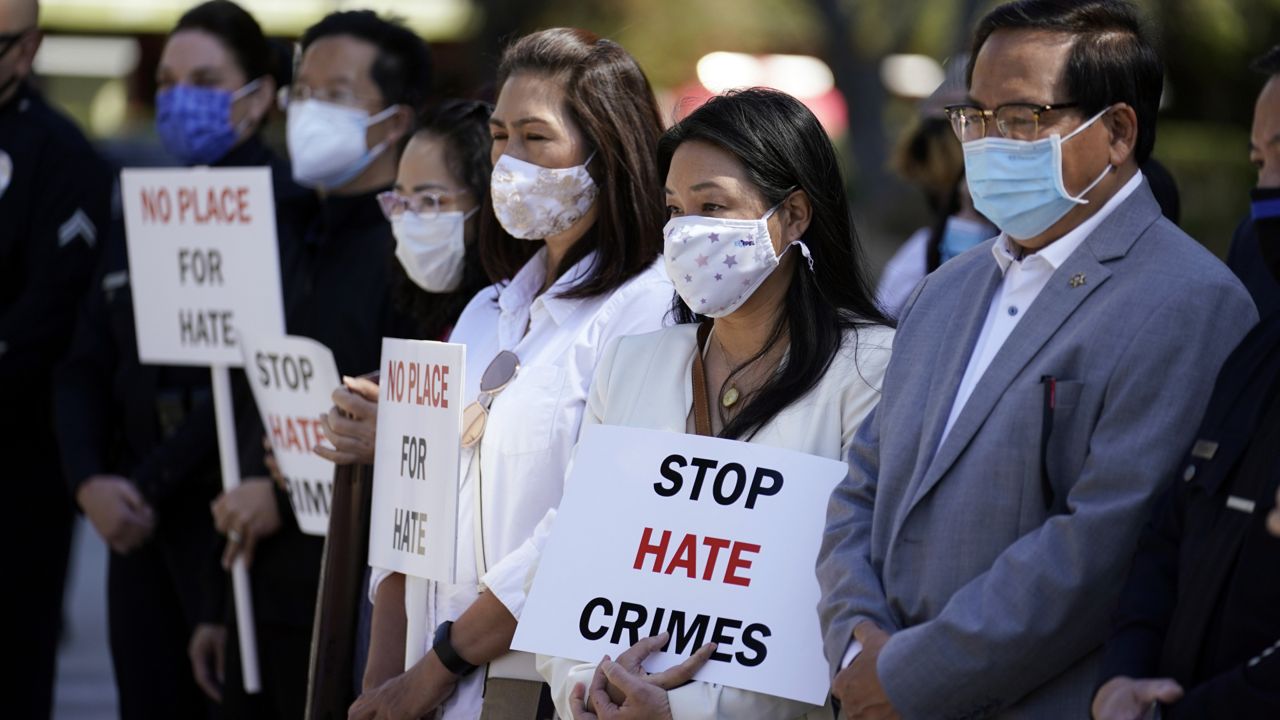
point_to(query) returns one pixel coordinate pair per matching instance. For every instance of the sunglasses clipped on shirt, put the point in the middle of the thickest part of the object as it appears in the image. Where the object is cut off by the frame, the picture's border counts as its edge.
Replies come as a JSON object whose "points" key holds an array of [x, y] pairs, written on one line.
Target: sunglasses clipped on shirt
{"points": [[475, 417]]}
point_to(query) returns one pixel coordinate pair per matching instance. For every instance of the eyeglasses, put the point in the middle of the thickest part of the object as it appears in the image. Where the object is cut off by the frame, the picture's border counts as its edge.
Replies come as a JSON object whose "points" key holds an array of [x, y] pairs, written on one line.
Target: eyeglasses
{"points": [[1016, 121], [427, 203], [475, 417], [342, 96]]}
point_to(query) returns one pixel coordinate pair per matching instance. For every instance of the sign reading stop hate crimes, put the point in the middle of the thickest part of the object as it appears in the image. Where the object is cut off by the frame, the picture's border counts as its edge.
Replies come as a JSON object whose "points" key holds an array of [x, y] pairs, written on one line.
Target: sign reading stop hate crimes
{"points": [[293, 379], [414, 517], [203, 262], [710, 540]]}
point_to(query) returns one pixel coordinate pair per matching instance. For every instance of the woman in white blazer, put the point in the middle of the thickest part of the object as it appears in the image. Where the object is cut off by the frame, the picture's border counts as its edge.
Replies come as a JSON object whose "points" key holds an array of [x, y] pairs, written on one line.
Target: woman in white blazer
{"points": [[779, 340]]}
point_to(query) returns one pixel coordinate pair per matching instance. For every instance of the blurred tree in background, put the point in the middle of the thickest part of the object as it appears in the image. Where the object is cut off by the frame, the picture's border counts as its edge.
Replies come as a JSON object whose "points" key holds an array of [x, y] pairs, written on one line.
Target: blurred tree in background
{"points": [[1206, 44]]}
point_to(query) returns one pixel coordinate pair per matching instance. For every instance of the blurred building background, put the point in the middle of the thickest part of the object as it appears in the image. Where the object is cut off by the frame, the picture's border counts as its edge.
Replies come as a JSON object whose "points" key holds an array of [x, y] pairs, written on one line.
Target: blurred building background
{"points": [[861, 65]]}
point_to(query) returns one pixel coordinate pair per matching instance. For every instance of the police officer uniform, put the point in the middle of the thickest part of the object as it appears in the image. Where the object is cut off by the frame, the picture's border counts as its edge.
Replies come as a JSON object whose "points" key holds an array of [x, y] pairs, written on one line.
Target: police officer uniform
{"points": [[55, 194]]}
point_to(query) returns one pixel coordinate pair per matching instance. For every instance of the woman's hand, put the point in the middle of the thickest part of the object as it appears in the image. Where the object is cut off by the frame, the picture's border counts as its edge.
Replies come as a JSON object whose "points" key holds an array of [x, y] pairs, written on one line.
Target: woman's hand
{"points": [[421, 689], [246, 515], [673, 677], [642, 699], [351, 426]]}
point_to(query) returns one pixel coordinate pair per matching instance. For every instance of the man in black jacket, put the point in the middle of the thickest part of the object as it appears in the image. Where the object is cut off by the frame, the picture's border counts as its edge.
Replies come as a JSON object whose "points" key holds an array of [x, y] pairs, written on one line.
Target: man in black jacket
{"points": [[1197, 632], [337, 287], [55, 194]]}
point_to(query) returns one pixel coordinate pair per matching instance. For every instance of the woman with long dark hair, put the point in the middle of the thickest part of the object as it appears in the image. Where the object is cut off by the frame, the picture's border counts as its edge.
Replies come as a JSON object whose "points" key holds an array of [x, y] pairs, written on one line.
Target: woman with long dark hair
{"points": [[776, 321], [434, 214], [570, 237]]}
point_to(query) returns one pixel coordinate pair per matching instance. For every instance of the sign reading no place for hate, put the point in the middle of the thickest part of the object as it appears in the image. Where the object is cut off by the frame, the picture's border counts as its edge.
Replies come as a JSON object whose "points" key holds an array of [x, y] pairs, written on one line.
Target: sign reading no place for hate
{"points": [[203, 262]]}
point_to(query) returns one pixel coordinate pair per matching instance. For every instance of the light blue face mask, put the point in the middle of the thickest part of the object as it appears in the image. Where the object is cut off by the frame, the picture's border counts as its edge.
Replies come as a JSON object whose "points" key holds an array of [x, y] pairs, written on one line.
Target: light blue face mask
{"points": [[1017, 184], [960, 234]]}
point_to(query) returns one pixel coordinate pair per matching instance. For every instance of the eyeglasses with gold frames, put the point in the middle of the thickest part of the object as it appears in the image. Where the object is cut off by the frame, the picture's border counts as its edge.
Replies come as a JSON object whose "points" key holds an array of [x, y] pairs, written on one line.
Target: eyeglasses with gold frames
{"points": [[1016, 121]]}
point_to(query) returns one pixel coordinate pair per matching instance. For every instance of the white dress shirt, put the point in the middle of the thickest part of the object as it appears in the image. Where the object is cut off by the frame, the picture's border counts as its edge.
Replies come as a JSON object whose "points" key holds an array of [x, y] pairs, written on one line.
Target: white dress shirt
{"points": [[1023, 281], [532, 427], [645, 382]]}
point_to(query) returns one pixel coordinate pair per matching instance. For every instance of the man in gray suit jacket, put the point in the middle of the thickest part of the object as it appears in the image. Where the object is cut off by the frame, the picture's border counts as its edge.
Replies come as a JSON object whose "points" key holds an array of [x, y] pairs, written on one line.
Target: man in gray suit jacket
{"points": [[1036, 399]]}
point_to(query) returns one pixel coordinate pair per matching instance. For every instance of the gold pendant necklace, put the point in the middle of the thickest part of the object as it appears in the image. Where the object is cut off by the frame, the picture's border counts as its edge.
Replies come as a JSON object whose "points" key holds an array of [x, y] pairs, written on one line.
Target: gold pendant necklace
{"points": [[729, 395]]}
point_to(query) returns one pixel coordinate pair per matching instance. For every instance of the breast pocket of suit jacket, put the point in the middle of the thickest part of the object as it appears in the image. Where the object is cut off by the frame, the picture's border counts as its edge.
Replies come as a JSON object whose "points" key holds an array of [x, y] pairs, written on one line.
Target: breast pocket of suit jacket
{"points": [[1062, 444], [524, 414]]}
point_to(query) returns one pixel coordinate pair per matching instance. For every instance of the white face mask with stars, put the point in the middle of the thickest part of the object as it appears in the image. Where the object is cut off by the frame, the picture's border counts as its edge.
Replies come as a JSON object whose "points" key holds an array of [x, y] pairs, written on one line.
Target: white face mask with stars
{"points": [[717, 263]]}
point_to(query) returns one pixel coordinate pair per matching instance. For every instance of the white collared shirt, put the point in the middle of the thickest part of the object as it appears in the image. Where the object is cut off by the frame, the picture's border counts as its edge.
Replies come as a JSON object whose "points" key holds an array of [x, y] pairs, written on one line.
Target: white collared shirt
{"points": [[1023, 281], [532, 427]]}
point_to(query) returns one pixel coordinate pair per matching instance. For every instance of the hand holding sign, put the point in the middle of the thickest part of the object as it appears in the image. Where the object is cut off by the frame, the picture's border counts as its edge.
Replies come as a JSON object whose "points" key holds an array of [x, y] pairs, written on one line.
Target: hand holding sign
{"points": [[351, 426], [632, 661], [246, 514], [622, 690]]}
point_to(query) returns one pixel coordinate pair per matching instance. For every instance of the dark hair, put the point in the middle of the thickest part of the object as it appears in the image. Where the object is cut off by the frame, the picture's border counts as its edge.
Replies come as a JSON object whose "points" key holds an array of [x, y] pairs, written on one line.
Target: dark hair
{"points": [[1112, 59], [235, 28], [402, 69], [463, 126], [1268, 64], [930, 157], [783, 148], [609, 98]]}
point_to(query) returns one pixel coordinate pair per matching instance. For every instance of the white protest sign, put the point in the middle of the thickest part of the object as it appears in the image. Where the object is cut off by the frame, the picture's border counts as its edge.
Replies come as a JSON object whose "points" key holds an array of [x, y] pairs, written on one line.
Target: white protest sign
{"points": [[711, 540], [413, 524], [203, 262], [293, 379]]}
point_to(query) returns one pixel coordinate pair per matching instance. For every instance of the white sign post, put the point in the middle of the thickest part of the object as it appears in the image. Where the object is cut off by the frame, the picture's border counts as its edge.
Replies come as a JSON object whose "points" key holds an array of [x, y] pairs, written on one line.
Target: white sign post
{"points": [[293, 379], [711, 540], [414, 517], [204, 266]]}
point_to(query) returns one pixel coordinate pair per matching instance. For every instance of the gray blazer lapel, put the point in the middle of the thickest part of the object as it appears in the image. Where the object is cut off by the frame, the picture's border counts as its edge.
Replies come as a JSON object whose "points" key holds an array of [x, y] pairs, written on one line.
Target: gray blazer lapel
{"points": [[1056, 303]]}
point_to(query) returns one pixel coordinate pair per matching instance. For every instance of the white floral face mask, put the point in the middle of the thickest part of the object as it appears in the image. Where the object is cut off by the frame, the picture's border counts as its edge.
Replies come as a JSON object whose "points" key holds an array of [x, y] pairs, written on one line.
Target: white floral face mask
{"points": [[717, 263], [532, 202]]}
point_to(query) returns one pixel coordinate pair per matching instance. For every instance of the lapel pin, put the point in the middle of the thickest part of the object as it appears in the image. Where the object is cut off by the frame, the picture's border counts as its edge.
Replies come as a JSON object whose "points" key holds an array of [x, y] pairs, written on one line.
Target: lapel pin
{"points": [[1077, 280]]}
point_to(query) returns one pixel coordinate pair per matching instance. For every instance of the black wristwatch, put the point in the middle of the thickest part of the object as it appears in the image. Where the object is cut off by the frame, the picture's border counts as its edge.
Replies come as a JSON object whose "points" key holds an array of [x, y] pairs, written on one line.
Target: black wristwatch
{"points": [[449, 657]]}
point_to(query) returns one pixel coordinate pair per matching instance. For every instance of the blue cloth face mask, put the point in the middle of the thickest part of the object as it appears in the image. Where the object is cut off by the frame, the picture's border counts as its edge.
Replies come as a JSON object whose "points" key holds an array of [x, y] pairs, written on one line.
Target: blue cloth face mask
{"points": [[194, 123], [960, 234], [1017, 184]]}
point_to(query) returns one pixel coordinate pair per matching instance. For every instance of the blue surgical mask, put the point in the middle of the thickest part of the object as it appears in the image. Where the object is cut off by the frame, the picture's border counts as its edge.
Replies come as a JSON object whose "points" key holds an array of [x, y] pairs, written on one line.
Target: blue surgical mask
{"points": [[960, 234], [1017, 184], [194, 123]]}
